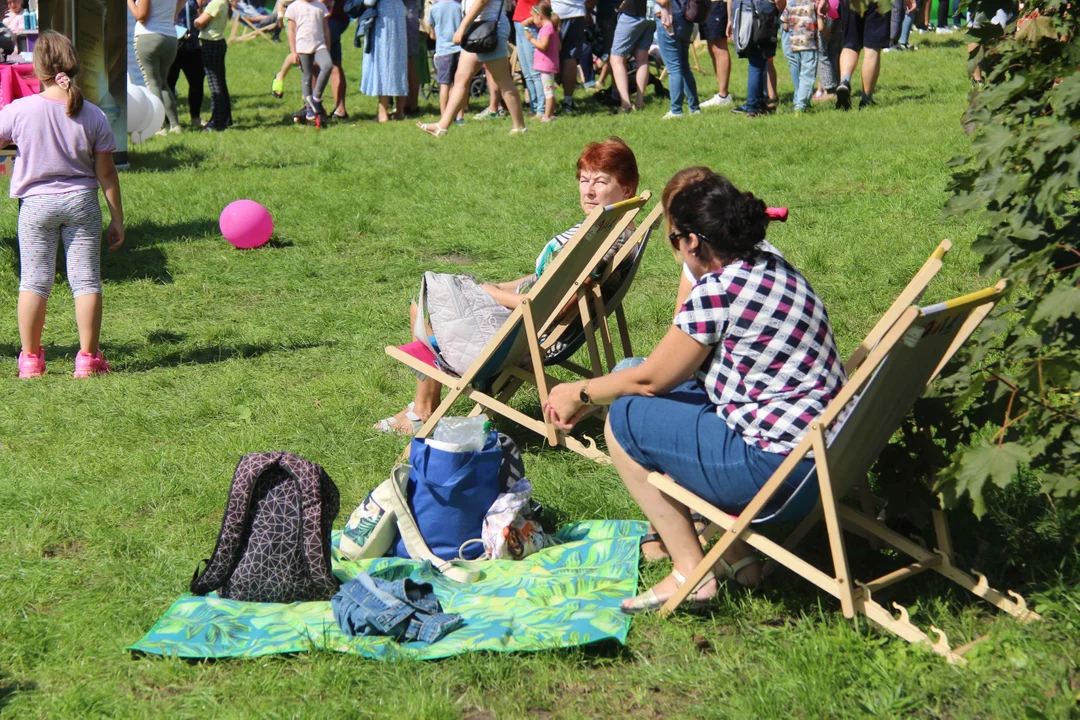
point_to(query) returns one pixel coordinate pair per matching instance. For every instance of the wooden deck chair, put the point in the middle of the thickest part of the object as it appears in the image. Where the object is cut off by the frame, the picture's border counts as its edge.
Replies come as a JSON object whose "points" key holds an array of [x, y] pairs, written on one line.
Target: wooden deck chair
{"points": [[251, 31], [845, 442], [516, 353], [562, 341]]}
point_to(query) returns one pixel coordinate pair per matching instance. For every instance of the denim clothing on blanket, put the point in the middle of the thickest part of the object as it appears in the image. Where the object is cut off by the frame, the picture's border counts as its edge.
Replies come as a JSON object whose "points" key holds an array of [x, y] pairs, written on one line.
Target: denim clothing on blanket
{"points": [[403, 609]]}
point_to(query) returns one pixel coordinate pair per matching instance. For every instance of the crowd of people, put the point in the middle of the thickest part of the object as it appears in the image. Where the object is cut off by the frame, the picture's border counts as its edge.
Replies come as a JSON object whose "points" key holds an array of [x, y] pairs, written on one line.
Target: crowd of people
{"points": [[528, 49]]}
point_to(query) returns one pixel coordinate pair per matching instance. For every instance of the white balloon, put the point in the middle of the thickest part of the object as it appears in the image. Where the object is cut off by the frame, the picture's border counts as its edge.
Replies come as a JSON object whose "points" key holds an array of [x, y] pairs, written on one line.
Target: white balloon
{"points": [[153, 119], [138, 109]]}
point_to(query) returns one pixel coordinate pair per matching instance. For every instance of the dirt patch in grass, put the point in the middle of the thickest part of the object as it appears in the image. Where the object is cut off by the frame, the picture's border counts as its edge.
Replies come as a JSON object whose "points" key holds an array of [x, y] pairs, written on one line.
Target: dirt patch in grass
{"points": [[64, 550]]}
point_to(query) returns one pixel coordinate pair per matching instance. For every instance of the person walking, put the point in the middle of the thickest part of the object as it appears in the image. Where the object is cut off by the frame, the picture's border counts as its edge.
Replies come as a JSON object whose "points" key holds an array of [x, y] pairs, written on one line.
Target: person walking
{"points": [[496, 61], [714, 31], [155, 50], [865, 33], [800, 42], [522, 19], [211, 24]]}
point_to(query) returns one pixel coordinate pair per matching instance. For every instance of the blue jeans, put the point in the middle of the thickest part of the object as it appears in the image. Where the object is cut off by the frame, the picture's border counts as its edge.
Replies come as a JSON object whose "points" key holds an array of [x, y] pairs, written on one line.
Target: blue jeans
{"points": [[681, 435], [405, 610], [905, 29], [532, 77], [675, 51], [756, 79], [803, 66]]}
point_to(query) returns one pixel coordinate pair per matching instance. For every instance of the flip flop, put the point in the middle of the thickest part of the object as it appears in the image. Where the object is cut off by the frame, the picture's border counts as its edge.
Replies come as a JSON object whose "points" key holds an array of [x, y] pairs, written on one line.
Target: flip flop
{"points": [[393, 425]]}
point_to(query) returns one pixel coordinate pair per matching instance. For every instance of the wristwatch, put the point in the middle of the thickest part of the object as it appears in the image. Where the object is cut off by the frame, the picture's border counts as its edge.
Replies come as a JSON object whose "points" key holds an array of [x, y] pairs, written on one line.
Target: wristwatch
{"points": [[584, 394]]}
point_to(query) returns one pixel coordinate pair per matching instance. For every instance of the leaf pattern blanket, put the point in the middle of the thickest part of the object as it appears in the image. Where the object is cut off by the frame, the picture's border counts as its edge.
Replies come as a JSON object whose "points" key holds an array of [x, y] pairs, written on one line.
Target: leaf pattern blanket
{"points": [[562, 596]]}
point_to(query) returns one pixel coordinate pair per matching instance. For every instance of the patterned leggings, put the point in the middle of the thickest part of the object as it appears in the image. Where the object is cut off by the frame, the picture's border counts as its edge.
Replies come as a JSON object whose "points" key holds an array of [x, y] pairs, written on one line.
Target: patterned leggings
{"points": [[44, 220], [214, 61]]}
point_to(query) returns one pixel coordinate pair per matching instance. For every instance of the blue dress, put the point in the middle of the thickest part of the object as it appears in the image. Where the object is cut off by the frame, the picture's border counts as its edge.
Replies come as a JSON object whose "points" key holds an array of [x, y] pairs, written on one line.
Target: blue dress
{"points": [[386, 62]]}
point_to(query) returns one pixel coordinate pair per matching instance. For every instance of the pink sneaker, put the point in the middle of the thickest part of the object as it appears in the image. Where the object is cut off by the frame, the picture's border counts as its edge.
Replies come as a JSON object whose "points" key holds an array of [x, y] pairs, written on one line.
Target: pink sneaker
{"points": [[87, 365], [32, 366]]}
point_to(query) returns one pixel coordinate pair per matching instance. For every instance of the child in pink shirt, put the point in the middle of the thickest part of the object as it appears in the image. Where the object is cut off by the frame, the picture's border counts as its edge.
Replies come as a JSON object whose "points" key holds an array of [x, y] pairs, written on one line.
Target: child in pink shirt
{"points": [[546, 58], [65, 154]]}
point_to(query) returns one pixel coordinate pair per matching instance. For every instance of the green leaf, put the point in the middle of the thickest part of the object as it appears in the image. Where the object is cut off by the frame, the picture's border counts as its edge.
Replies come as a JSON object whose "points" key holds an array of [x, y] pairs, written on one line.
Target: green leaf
{"points": [[1062, 302], [997, 463]]}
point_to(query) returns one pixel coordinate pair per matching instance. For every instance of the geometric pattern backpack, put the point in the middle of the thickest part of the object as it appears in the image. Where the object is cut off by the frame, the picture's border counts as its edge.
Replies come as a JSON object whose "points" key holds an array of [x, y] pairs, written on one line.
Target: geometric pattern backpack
{"points": [[274, 544]]}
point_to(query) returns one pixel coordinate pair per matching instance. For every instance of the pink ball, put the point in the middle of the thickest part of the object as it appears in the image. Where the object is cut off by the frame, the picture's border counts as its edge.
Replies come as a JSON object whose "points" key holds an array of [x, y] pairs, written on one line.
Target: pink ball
{"points": [[246, 224]]}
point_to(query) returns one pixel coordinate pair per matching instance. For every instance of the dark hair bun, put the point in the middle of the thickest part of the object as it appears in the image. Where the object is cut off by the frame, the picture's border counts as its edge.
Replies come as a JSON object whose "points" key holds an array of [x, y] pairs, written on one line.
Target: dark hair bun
{"points": [[730, 222]]}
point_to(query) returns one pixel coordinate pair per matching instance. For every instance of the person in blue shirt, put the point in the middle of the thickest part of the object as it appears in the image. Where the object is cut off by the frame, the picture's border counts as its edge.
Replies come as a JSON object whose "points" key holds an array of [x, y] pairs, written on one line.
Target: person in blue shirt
{"points": [[444, 18]]}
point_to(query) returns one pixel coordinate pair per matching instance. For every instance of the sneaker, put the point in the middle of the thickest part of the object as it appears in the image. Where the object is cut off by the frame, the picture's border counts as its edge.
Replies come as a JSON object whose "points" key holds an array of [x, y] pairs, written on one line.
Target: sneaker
{"points": [[908, 46], [32, 366], [175, 130], [740, 109], [567, 108], [87, 365], [277, 87], [718, 100], [300, 115], [671, 116], [843, 96], [866, 101], [696, 112], [547, 119], [485, 115], [316, 107]]}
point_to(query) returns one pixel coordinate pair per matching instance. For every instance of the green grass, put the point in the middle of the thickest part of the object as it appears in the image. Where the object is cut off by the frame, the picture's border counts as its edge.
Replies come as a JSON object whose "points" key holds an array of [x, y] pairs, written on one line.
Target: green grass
{"points": [[112, 490]]}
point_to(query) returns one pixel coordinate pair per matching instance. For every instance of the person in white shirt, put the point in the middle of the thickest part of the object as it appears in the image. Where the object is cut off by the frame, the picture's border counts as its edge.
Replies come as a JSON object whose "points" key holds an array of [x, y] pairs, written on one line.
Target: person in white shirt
{"points": [[155, 50]]}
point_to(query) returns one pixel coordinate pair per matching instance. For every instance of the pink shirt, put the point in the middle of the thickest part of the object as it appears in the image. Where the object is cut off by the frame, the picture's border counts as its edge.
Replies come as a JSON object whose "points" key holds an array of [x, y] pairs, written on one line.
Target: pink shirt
{"points": [[56, 153], [547, 61]]}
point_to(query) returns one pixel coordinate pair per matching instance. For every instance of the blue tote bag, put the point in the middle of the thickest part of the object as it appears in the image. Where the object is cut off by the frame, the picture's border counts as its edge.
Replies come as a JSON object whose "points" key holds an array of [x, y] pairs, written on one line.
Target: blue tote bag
{"points": [[449, 493]]}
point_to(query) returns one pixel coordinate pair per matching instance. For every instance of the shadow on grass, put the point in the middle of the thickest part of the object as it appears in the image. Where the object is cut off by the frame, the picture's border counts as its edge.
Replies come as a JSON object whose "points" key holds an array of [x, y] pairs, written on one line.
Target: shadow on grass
{"points": [[164, 159], [131, 358], [10, 687]]}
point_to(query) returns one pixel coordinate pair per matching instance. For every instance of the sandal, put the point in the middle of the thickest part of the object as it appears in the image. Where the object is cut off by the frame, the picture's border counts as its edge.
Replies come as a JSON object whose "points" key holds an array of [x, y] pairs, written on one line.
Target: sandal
{"points": [[700, 524], [731, 571], [277, 87], [432, 129], [517, 131], [648, 602], [393, 425]]}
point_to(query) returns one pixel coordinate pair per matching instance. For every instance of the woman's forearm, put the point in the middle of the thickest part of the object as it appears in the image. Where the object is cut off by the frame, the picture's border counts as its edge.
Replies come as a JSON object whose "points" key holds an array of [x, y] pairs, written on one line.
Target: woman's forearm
{"points": [[670, 364]]}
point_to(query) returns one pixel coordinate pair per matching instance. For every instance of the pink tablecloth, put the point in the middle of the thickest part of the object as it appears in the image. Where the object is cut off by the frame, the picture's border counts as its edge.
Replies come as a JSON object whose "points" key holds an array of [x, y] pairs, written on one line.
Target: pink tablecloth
{"points": [[17, 81]]}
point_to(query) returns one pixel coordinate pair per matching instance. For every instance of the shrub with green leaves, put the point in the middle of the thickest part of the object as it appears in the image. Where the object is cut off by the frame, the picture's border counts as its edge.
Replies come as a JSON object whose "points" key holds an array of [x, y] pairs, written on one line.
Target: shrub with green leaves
{"points": [[1012, 400]]}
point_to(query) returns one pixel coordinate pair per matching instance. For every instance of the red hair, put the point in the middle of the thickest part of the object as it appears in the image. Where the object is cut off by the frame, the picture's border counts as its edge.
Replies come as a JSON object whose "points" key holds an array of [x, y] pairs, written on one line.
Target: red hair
{"points": [[614, 157]]}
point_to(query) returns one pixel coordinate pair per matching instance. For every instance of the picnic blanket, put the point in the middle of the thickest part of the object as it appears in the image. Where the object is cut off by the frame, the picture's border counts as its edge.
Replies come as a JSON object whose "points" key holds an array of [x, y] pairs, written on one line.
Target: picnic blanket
{"points": [[562, 596]]}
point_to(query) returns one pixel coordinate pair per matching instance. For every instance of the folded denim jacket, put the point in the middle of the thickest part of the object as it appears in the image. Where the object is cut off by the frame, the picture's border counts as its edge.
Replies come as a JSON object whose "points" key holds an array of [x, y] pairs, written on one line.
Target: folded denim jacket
{"points": [[405, 610]]}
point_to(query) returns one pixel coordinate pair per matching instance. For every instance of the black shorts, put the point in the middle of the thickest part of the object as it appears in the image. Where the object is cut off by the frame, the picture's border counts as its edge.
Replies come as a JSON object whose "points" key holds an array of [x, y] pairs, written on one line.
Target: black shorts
{"points": [[571, 39], [870, 30], [715, 26]]}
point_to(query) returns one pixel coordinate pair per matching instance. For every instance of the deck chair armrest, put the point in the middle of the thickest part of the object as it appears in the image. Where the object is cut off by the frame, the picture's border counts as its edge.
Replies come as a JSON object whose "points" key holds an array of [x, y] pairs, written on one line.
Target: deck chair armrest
{"points": [[421, 367]]}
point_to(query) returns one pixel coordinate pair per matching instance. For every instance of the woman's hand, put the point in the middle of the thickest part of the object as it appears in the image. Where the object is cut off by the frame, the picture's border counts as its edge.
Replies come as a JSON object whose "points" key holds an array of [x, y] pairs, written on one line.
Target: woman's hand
{"points": [[564, 405], [459, 37], [115, 233], [665, 20]]}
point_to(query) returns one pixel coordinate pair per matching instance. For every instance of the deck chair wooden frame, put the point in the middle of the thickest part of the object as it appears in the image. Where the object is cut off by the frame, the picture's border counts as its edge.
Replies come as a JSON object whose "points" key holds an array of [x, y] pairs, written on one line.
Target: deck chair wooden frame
{"points": [[564, 285], [251, 32], [895, 373]]}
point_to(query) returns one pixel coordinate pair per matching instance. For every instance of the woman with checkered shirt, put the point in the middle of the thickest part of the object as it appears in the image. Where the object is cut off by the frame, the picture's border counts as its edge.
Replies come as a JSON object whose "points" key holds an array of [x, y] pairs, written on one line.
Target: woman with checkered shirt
{"points": [[758, 345]]}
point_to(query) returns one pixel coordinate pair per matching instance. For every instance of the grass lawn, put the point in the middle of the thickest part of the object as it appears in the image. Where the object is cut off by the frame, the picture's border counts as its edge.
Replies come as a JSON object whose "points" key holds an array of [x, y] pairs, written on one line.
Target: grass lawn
{"points": [[112, 490]]}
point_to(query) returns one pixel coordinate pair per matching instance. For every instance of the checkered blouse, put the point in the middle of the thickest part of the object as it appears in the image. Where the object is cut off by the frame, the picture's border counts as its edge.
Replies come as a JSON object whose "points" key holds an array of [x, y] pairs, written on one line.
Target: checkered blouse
{"points": [[774, 365]]}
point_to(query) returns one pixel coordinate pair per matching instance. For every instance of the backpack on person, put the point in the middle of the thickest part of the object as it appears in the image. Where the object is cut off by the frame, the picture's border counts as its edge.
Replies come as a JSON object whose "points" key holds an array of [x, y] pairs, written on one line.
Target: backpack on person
{"points": [[697, 11], [274, 544]]}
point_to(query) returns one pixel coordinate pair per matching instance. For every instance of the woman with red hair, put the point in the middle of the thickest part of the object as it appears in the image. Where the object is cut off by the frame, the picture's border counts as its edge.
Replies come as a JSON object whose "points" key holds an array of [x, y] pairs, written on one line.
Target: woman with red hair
{"points": [[607, 173]]}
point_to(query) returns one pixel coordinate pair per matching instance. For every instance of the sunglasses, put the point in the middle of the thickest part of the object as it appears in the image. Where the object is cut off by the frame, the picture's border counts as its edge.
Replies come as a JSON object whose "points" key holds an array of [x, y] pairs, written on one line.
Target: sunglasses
{"points": [[675, 237]]}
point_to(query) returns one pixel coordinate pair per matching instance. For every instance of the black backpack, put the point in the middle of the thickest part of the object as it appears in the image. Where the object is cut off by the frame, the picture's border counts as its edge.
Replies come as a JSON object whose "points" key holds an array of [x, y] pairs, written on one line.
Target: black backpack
{"points": [[274, 544]]}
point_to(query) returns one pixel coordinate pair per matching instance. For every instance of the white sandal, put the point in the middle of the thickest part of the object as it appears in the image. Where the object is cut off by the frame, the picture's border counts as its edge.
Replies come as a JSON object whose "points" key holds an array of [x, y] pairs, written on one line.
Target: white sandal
{"points": [[432, 129], [393, 425], [648, 602], [731, 571]]}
